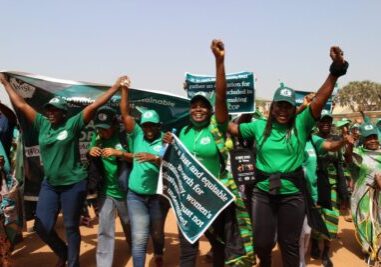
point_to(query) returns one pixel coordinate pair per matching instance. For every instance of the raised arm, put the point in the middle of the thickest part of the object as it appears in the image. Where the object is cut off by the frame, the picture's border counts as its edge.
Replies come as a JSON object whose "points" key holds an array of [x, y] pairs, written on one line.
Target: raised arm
{"points": [[17, 101], [347, 140], [128, 121], [221, 109], [338, 68], [88, 112], [306, 102]]}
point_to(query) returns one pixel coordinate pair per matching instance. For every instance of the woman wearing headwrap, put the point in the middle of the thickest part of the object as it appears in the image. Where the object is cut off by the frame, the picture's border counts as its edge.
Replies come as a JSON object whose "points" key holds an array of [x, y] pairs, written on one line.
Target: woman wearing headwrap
{"points": [[366, 198]]}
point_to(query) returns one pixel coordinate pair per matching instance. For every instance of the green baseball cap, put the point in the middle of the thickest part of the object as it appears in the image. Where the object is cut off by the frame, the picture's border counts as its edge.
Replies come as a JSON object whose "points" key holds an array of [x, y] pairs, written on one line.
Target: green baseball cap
{"points": [[285, 94], [150, 116], [325, 113], [57, 102], [343, 122], [368, 129], [203, 96], [104, 118]]}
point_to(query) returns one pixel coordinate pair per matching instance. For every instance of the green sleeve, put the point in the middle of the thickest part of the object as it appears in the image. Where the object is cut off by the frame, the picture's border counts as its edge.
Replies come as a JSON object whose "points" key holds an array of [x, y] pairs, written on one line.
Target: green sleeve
{"points": [[248, 130], [318, 144], [38, 121], [77, 123], [305, 120]]}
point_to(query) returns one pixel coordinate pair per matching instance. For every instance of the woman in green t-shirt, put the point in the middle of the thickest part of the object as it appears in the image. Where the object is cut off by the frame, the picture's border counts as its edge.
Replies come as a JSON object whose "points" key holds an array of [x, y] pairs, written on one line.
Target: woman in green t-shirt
{"points": [[281, 140], [204, 137], [64, 185]]}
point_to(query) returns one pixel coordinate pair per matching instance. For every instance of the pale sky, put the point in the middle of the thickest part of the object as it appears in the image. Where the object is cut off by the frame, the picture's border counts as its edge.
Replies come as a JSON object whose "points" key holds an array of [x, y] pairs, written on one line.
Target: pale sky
{"points": [[156, 42]]}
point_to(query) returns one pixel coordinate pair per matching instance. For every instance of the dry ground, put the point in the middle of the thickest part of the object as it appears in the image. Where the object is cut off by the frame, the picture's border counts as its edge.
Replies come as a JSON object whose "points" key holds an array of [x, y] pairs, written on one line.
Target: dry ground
{"points": [[33, 253]]}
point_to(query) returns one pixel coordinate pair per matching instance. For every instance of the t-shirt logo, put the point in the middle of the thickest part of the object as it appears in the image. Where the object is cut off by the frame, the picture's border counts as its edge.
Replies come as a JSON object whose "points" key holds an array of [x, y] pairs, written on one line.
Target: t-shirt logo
{"points": [[311, 152], [118, 146], [54, 100], [368, 127], [62, 135], [285, 92], [157, 148], [205, 140], [102, 116], [148, 115]]}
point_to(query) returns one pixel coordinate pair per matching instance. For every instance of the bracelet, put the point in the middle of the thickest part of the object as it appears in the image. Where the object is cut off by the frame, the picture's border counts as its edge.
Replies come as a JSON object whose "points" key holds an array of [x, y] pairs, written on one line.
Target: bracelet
{"points": [[338, 69]]}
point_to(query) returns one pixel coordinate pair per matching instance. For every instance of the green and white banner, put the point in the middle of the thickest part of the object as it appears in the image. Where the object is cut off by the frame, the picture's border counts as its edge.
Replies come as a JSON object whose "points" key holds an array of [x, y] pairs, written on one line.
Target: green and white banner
{"points": [[38, 90], [240, 90], [196, 196]]}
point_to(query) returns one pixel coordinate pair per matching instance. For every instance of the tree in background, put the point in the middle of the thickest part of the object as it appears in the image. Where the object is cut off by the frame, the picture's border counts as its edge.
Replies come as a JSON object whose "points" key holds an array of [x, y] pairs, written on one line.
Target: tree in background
{"points": [[360, 96]]}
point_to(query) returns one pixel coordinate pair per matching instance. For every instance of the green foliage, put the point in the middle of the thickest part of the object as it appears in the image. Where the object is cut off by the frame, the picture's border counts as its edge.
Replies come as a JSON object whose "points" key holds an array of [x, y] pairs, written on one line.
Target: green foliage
{"points": [[360, 96]]}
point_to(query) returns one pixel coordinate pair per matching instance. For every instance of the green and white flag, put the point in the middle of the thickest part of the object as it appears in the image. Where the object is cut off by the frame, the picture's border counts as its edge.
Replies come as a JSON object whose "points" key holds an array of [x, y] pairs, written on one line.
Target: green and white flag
{"points": [[196, 196], [240, 90]]}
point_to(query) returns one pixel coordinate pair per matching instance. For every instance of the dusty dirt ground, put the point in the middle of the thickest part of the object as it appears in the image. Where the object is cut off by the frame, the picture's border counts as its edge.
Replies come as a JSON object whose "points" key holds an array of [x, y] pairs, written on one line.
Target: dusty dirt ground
{"points": [[33, 253]]}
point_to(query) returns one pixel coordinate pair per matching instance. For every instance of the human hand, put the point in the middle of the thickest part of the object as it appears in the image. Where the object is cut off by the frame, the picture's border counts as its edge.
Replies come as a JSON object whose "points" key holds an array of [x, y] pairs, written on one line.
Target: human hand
{"points": [[339, 66], [308, 99], [218, 49], [95, 152], [143, 157], [168, 138], [336, 54], [348, 138], [123, 81], [109, 152], [3, 78]]}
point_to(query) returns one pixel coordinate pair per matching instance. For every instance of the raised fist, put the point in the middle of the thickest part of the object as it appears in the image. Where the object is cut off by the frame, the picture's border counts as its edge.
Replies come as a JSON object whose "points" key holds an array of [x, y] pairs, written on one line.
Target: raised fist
{"points": [[336, 54], [218, 48]]}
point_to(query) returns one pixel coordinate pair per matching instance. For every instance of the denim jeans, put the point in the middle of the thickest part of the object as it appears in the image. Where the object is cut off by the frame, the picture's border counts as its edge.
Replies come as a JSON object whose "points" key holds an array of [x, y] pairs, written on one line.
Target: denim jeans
{"points": [[51, 200], [146, 217], [108, 207]]}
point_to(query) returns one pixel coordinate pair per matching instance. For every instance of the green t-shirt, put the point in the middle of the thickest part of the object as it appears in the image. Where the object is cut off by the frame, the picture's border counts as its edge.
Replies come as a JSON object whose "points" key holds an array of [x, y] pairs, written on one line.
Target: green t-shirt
{"points": [[111, 186], [281, 152], [201, 144], [144, 175], [310, 164], [59, 150]]}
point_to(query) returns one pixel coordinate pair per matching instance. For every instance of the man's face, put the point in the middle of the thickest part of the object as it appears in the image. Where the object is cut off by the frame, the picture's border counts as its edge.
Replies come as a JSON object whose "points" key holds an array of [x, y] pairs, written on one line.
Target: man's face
{"points": [[325, 125], [151, 130]]}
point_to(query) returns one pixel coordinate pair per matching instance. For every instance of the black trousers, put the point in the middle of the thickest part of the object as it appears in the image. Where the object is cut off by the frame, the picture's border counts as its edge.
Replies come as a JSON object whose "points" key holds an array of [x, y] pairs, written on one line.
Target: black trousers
{"points": [[281, 214], [189, 252]]}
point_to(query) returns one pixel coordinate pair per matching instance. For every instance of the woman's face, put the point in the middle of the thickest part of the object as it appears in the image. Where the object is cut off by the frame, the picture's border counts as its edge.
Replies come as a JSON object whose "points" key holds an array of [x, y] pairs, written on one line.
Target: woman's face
{"points": [[106, 133], [54, 115], [282, 112], [371, 142], [200, 111], [151, 131]]}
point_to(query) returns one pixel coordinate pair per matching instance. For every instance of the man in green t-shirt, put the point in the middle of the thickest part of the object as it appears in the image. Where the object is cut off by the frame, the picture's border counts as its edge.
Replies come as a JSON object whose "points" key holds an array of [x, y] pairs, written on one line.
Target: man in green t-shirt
{"points": [[331, 186], [108, 154]]}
